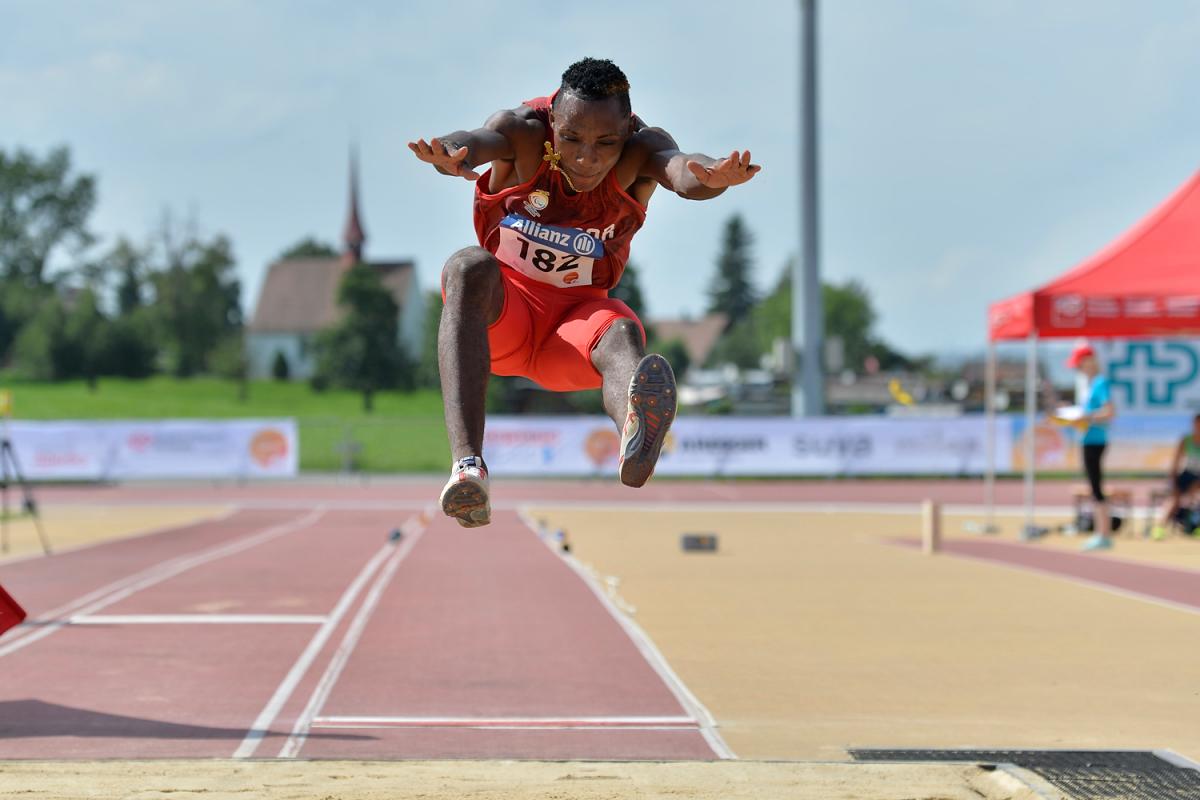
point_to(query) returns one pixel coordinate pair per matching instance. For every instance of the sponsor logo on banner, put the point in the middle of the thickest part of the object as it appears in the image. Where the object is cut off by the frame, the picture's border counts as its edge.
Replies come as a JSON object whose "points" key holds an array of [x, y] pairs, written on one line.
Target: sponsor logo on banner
{"points": [[139, 441], [268, 446], [57, 460], [532, 444], [1153, 376], [840, 446], [118, 450], [750, 446], [1069, 311], [936, 442], [602, 446], [723, 444]]}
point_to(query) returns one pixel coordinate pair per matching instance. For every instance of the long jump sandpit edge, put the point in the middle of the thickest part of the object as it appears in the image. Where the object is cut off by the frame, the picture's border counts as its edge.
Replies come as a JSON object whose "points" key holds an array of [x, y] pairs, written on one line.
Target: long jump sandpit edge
{"points": [[227, 779]]}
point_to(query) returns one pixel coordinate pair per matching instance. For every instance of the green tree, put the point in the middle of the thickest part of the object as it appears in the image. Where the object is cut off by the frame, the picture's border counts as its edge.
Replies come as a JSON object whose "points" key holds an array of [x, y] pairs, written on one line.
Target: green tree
{"points": [[128, 264], [19, 302], [629, 291], [741, 345], [850, 315], [129, 349], [363, 352], [674, 351], [44, 207], [84, 339], [773, 316], [280, 370], [42, 350], [309, 247], [731, 290], [428, 374], [196, 299]]}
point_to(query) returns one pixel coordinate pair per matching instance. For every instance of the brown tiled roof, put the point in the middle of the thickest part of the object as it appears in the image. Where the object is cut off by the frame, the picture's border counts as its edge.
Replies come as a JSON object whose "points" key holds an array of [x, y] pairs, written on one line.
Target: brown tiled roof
{"points": [[698, 336], [300, 295]]}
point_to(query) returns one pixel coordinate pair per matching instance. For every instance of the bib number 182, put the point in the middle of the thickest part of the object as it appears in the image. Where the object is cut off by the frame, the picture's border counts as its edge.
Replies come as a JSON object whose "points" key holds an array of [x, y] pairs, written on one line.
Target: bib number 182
{"points": [[545, 260]]}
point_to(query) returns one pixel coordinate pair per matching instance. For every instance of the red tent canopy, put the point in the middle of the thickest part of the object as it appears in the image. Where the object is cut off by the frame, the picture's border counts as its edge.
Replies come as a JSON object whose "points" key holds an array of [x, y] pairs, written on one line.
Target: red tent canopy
{"points": [[1146, 283]]}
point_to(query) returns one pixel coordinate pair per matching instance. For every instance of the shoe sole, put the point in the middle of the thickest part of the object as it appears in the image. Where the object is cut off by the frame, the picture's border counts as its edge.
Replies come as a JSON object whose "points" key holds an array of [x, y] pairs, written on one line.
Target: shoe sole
{"points": [[468, 503], [652, 396]]}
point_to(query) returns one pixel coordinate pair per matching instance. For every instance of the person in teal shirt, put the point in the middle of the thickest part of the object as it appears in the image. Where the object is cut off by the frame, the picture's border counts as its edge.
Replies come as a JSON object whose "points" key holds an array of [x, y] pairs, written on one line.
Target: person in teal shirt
{"points": [[1098, 412], [1185, 477]]}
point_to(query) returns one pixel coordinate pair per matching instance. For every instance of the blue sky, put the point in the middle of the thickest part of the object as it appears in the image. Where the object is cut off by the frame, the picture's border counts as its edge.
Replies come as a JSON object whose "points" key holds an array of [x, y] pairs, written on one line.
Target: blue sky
{"points": [[969, 149]]}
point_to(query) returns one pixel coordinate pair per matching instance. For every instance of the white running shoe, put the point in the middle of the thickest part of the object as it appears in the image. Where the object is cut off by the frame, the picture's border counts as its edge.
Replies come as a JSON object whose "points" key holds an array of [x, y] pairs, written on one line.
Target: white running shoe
{"points": [[650, 413], [465, 495]]}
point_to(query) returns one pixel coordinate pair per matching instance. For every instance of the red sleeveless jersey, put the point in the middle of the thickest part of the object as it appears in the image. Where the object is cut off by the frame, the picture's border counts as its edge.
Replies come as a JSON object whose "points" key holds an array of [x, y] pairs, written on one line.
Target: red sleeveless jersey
{"points": [[556, 236]]}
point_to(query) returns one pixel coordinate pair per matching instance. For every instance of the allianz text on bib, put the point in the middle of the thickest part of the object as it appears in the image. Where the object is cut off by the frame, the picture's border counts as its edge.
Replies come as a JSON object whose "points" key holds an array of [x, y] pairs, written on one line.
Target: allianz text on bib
{"points": [[557, 256]]}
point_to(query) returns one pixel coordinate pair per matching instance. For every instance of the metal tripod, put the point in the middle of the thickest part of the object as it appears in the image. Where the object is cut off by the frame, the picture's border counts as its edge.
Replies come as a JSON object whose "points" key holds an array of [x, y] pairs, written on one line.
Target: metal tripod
{"points": [[10, 472]]}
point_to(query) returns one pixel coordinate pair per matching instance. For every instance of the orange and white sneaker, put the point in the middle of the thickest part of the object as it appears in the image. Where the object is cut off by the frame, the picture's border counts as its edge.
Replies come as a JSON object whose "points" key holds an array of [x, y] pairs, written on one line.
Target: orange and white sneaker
{"points": [[465, 495], [652, 404]]}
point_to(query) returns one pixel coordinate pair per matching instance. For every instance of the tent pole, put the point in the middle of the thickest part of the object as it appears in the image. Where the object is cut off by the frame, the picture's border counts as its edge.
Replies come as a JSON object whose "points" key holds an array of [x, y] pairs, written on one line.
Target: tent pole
{"points": [[989, 403], [1030, 427]]}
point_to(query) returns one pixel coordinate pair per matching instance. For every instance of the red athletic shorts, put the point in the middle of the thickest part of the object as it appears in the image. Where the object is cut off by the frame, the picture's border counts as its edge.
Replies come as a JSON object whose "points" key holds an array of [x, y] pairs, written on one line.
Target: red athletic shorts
{"points": [[547, 334]]}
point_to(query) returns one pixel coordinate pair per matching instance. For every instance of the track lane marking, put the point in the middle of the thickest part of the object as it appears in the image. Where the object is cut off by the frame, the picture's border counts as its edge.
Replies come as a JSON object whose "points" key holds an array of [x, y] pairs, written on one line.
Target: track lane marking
{"points": [[1066, 577], [123, 588], [216, 516], [511, 723], [300, 730], [198, 619], [706, 723], [389, 557]]}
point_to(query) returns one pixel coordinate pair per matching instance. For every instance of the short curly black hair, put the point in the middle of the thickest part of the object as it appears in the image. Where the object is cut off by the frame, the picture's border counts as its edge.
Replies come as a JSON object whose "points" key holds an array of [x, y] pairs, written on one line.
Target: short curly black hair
{"points": [[596, 79]]}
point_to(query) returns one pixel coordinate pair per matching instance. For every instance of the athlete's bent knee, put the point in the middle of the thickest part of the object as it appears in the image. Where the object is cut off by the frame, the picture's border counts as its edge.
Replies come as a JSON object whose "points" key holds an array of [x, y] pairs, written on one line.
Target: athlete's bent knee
{"points": [[470, 270], [623, 334]]}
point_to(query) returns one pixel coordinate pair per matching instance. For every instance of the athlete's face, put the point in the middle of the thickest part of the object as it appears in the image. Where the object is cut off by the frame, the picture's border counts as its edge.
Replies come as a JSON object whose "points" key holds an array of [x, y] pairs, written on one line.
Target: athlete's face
{"points": [[590, 135]]}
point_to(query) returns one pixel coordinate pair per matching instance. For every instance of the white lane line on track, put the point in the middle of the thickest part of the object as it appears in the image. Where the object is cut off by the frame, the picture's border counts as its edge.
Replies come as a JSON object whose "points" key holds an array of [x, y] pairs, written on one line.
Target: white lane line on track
{"points": [[120, 589], [198, 619], [1048, 572], [291, 748], [218, 516], [511, 723], [654, 657]]}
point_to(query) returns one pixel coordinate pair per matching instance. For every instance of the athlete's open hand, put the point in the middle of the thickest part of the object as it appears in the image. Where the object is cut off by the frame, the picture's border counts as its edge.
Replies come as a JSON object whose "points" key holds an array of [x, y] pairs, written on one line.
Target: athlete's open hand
{"points": [[445, 158], [726, 172]]}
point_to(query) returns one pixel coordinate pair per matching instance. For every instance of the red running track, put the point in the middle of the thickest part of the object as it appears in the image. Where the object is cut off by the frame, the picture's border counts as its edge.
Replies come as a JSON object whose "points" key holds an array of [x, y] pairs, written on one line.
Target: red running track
{"points": [[1175, 586], [306, 633]]}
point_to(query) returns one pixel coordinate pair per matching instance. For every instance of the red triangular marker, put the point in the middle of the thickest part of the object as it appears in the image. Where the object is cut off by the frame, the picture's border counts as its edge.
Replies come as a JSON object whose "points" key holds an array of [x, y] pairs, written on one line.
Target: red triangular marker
{"points": [[11, 614]]}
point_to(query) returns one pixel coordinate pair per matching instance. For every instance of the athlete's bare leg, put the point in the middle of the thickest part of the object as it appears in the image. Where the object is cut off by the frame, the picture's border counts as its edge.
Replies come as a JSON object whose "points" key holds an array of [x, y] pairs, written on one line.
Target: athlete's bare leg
{"points": [[474, 300], [616, 356], [639, 394]]}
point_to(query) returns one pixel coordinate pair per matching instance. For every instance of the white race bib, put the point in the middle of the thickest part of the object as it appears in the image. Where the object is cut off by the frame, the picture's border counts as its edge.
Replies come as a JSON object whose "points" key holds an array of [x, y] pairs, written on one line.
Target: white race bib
{"points": [[547, 253]]}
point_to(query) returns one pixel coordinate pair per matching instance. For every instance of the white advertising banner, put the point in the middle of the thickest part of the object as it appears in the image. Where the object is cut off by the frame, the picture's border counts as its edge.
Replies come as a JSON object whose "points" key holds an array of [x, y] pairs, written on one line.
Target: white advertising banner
{"points": [[1152, 376], [156, 449], [752, 446]]}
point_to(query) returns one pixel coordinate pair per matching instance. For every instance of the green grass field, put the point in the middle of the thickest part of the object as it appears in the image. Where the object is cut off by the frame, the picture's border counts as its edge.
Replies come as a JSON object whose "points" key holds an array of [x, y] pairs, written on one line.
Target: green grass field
{"points": [[405, 432]]}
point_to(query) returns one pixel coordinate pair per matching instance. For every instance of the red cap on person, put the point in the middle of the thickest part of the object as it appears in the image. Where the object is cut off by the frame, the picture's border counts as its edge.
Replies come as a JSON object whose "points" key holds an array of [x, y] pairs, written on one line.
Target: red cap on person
{"points": [[1079, 354]]}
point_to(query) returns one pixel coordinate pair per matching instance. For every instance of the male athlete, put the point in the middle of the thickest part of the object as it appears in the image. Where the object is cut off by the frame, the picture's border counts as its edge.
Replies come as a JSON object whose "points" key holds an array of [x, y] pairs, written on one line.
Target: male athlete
{"points": [[569, 181]]}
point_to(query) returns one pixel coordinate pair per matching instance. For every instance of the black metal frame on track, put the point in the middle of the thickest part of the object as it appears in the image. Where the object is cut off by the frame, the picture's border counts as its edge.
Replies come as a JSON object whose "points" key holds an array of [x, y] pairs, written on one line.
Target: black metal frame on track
{"points": [[1079, 774]]}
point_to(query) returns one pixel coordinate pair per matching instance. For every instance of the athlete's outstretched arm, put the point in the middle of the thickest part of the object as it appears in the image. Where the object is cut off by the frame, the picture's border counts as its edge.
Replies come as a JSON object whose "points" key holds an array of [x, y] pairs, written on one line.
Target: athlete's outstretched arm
{"points": [[693, 176], [460, 152]]}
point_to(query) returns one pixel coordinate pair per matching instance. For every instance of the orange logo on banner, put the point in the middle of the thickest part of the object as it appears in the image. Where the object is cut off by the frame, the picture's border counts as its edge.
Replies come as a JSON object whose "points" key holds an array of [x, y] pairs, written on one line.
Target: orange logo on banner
{"points": [[602, 445], [268, 446]]}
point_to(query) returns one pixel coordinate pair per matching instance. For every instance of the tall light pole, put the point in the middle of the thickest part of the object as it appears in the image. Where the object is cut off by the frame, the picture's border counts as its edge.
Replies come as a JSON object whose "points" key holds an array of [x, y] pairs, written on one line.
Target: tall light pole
{"points": [[808, 388]]}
